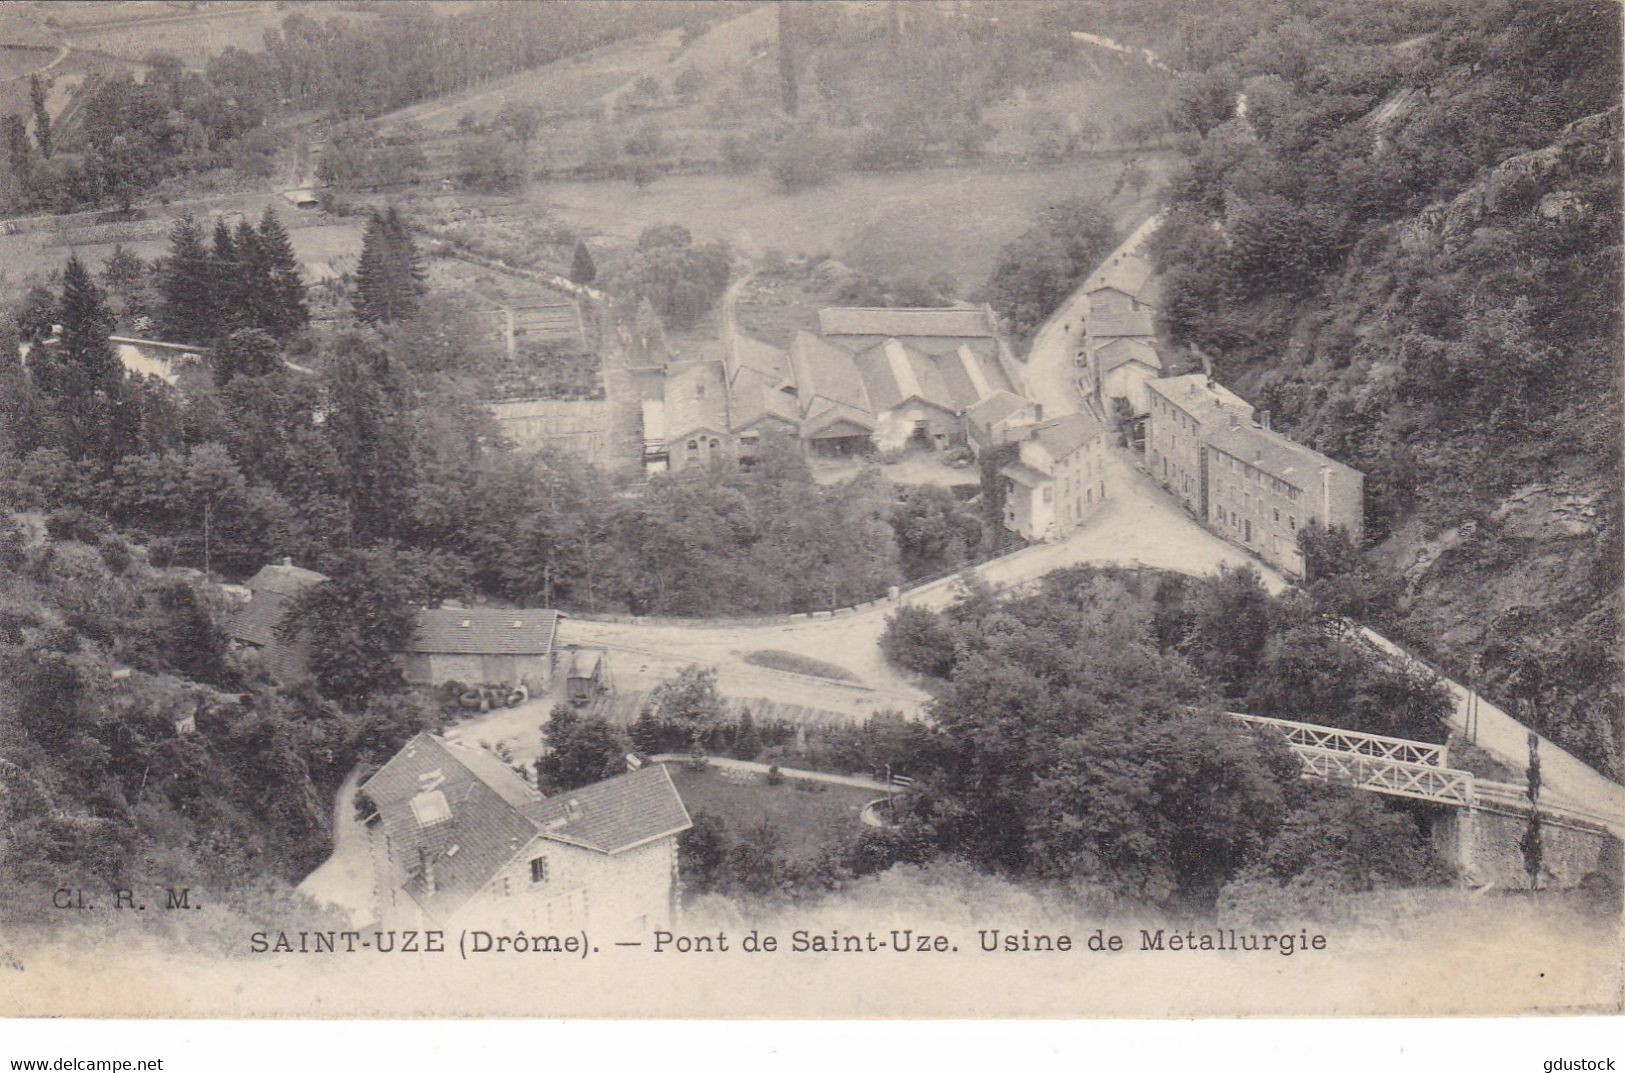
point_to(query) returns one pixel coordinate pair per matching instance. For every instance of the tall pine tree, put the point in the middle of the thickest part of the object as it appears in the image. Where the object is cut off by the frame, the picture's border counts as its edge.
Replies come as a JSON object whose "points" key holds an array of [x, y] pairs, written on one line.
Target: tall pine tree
{"points": [[37, 91], [186, 286], [390, 278], [582, 269], [81, 374], [228, 293], [287, 311]]}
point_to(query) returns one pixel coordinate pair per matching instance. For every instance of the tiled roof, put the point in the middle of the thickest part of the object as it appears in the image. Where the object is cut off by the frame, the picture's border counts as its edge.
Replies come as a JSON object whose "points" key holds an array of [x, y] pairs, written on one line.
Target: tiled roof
{"points": [[477, 814], [1024, 474], [756, 396], [614, 815], [285, 579], [485, 631], [996, 407], [830, 413], [1063, 435], [1126, 272], [1122, 351], [1110, 324], [823, 370], [1275, 454], [696, 400], [1201, 398], [747, 352], [893, 372], [957, 322]]}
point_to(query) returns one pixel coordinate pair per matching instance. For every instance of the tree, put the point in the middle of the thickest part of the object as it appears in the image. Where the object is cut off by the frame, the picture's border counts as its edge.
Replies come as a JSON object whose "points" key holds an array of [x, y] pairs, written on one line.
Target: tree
{"points": [[919, 640], [37, 92], [285, 309], [582, 268], [681, 279], [936, 531], [81, 374], [370, 433], [579, 751], [19, 153], [364, 615], [1037, 271], [187, 286], [1230, 621], [788, 45], [491, 163], [688, 702], [245, 352], [390, 276]]}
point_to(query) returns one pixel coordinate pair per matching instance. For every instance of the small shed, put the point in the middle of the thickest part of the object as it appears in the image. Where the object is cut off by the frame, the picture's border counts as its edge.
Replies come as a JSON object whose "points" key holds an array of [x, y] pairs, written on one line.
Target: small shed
{"points": [[587, 676], [483, 646], [304, 199]]}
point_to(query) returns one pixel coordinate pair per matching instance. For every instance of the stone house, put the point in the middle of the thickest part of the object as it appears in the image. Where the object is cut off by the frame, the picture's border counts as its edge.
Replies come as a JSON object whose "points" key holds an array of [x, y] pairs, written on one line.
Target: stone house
{"points": [[272, 591], [1182, 410], [481, 644], [1059, 481], [457, 839], [696, 416], [1263, 488]]}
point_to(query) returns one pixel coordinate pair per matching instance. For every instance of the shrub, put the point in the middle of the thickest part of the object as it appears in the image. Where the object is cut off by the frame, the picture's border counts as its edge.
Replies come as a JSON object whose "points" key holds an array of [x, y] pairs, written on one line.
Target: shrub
{"points": [[775, 777], [919, 640], [801, 161]]}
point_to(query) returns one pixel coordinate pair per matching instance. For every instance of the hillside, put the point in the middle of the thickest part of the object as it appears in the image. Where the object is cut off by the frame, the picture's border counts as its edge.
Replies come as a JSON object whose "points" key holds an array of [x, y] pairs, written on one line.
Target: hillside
{"points": [[1406, 246], [136, 752]]}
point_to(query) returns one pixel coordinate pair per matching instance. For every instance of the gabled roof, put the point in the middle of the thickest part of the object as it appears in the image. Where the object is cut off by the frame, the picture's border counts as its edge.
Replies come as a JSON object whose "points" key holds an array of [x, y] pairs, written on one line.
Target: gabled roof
{"points": [[1275, 454], [832, 413], [1200, 397], [996, 407], [747, 352], [584, 662], [1063, 435], [696, 400], [285, 579], [903, 322], [894, 372], [756, 396], [823, 370], [1126, 272], [614, 815], [1025, 475], [456, 816], [274, 590], [1125, 350], [1111, 324], [485, 631]]}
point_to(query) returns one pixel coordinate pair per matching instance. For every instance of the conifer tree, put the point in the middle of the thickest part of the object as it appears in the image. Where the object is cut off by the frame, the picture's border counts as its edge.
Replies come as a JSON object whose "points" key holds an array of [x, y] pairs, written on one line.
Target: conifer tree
{"points": [[582, 268], [81, 374], [390, 277], [228, 296], [406, 264], [372, 304], [286, 289], [42, 118], [186, 285]]}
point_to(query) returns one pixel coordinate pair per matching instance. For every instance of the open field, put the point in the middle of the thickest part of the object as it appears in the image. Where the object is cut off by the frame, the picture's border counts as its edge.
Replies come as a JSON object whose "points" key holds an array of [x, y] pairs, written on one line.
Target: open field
{"points": [[566, 86], [890, 223], [806, 821], [20, 61]]}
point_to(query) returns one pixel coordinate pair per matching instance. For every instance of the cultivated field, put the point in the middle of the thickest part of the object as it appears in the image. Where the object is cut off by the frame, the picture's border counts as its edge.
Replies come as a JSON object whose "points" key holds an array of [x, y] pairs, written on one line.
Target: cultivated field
{"points": [[914, 223]]}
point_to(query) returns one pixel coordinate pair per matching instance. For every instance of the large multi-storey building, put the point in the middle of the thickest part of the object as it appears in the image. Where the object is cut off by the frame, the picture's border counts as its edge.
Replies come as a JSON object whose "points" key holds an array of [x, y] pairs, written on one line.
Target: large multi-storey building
{"points": [[1263, 488], [1182, 411]]}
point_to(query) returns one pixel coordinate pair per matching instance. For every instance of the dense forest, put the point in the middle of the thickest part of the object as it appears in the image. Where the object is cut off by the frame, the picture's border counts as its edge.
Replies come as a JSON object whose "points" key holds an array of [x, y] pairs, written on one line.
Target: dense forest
{"points": [[1397, 228]]}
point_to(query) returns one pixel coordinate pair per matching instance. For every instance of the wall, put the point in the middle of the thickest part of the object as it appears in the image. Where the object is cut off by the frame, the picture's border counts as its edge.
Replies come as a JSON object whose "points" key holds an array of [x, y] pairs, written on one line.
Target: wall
{"points": [[627, 893], [433, 669], [708, 447], [1080, 486], [1484, 847], [1266, 515], [1173, 449]]}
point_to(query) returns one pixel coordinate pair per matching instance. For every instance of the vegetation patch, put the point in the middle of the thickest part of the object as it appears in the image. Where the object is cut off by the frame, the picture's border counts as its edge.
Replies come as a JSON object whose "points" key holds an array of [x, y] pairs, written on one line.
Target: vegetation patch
{"points": [[805, 818], [799, 664]]}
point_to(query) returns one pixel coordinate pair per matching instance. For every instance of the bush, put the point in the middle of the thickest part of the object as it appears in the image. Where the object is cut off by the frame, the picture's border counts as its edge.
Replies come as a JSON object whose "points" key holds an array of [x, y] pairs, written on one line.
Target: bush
{"points": [[775, 777], [803, 160], [919, 640]]}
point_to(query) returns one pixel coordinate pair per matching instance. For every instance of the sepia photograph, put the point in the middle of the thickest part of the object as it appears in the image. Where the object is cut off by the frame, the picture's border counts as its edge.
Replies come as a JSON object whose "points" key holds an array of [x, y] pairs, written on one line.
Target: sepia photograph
{"points": [[810, 510]]}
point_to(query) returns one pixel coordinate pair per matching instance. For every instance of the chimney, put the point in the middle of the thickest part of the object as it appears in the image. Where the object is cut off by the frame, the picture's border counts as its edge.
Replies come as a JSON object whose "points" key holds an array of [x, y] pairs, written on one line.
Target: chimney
{"points": [[1264, 420], [426, 869], [1234, 423], [1038, 411]]}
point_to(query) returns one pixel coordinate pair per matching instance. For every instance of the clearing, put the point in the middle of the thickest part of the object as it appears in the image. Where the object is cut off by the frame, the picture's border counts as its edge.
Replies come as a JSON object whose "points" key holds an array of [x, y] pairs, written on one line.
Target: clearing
{"points": [[807, 821], [919, 223]]}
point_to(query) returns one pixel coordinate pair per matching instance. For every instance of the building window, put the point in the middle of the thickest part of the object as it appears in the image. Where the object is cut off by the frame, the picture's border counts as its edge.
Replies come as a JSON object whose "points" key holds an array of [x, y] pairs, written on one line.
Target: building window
{"points": [[1049, 493], [538, 871], [1277, 515], [715, 444], [1293, 522]]}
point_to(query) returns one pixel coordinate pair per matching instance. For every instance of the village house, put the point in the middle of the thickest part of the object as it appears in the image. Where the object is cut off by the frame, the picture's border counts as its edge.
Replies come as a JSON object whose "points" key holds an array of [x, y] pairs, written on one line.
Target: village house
{"points": [[1181, 410], [1119, 352], [1059, 479], [1003, 417], [695, 409], [470, 645], [272, 592], [1262, 489], [458, 839], [475, 645]]}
